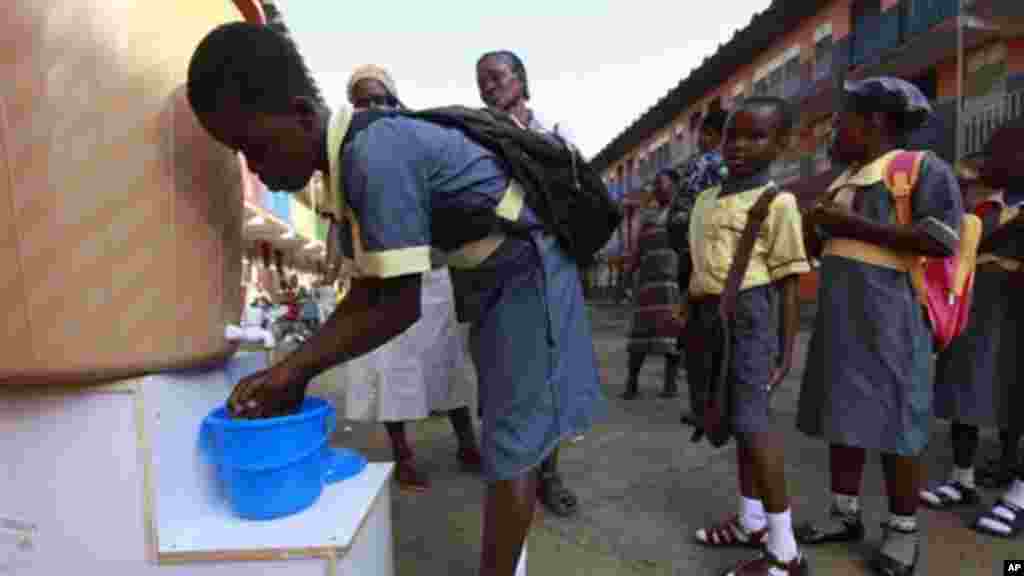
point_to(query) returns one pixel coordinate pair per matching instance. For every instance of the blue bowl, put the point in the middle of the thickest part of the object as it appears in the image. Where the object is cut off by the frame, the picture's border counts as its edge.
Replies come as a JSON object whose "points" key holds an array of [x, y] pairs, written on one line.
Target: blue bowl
{"points": [[278, 466], [269, 442]]}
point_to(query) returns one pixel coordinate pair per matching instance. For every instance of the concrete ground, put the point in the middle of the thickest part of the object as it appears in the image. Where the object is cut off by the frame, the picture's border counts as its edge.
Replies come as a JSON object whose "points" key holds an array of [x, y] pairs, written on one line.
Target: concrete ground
{"points": [[644, 489]]}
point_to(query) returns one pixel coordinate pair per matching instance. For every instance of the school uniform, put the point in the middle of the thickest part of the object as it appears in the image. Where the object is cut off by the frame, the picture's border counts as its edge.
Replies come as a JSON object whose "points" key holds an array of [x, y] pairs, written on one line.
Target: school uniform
{"points": [[977, 374], [868, 377], [716, 225], [411, 185]]}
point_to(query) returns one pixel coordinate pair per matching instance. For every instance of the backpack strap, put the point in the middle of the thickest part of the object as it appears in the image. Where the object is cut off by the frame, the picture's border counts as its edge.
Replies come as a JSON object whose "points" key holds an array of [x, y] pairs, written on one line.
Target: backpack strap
{"points": [[744, 249], [901, 173], [900, 176]]}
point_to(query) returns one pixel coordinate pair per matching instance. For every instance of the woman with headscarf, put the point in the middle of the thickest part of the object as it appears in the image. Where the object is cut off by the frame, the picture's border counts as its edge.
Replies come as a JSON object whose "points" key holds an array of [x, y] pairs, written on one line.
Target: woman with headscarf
{"points": [[424, 369], [501, 80]]}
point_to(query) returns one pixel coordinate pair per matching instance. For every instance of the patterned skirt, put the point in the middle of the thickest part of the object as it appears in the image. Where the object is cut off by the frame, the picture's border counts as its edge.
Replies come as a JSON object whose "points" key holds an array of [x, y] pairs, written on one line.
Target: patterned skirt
{"points": [[657, 294]]}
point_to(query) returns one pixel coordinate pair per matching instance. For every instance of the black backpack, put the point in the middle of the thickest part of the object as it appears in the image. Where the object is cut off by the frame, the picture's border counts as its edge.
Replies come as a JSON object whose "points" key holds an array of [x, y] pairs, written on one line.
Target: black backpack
{"points": [[561, 188]]}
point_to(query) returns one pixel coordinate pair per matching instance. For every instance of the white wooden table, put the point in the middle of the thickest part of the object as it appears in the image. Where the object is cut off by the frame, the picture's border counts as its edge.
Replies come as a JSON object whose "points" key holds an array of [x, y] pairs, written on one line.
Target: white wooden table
{"points": [[109, 480]]}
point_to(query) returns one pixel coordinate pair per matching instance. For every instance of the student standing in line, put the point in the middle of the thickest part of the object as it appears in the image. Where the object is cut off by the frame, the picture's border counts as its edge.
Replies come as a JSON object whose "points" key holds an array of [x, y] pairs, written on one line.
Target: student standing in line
{"points": [[868, 379], [421, 371], [976, 374], [767, 306], [501, 80], [703, 170], [1004, 169], [398, 177]]}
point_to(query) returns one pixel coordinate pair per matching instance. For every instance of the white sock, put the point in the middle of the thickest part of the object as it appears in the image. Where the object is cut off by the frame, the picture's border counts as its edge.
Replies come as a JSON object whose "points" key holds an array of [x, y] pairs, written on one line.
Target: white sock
{"points": [[964, 476], [904, 523], [752, 516], [781, 542], [846, 504]]}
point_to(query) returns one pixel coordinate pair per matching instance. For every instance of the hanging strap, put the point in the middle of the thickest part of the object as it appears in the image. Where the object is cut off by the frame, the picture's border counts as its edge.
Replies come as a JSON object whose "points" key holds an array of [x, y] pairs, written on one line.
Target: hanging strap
{"points": [[744, 250]]}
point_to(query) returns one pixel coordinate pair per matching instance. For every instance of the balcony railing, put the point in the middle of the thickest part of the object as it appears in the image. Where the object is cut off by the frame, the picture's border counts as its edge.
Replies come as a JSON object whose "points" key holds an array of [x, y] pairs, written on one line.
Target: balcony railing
{"points": [[923, 14], [982, 116]]}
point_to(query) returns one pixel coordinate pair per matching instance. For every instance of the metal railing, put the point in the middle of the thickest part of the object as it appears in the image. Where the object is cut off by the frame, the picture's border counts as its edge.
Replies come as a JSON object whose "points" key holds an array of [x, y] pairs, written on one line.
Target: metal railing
{"points": [[982, 116]]}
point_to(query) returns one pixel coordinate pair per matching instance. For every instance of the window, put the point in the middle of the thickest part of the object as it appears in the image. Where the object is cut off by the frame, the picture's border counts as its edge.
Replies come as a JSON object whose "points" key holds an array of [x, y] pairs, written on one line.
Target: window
{"points": [[823, 57]]}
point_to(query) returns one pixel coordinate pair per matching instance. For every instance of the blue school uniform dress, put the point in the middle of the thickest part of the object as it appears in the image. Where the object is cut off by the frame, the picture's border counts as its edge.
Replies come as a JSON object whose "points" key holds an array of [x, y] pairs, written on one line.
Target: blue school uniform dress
{"points": [[868, 377], [977, 375], [407, 185], [716, 225]]}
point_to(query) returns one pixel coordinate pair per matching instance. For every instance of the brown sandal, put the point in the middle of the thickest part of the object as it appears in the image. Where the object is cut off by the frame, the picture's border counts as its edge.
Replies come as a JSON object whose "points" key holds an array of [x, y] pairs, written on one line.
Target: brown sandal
{"points": [[730, 534], [763, 565]]}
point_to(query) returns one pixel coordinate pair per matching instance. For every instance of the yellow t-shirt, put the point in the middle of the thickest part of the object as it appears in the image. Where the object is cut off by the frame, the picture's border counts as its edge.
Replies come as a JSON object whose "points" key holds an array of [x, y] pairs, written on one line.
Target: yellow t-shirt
{"points": [[716, 225]]}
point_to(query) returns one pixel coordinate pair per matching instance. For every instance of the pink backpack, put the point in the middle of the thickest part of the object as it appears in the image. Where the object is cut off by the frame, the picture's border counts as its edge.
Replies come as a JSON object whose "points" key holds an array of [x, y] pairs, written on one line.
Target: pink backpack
{"points": [[944, 285]]}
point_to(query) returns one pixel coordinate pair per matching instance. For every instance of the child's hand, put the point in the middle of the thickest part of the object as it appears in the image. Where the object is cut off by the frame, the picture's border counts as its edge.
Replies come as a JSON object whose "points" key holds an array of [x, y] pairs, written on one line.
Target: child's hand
{"points": [[831, 217], [778, 376]]}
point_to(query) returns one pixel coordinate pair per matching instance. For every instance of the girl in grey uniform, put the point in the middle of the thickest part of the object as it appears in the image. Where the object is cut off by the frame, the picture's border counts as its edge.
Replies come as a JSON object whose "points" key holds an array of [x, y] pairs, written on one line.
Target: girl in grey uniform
{"points": [[868, 383]]}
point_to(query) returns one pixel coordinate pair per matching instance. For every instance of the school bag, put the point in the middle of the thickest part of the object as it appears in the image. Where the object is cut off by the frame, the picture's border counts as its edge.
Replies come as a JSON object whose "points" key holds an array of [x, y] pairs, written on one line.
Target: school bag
{"points": [[943, 285], [715, 414], [562, 189]]}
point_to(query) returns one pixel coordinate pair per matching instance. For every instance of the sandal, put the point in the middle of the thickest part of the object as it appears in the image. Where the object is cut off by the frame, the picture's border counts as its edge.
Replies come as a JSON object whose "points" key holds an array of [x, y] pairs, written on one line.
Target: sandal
{"points": [[951, 494], [838, 526], [1005, 520], [555, 496], [731, 534], [995, 474], [894, 541], [767, 564], [409, 478]]}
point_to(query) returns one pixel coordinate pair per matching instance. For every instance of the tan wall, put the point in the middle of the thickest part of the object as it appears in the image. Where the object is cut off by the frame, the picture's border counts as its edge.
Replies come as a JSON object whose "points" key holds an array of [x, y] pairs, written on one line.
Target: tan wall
{"points": [[121, 219]]}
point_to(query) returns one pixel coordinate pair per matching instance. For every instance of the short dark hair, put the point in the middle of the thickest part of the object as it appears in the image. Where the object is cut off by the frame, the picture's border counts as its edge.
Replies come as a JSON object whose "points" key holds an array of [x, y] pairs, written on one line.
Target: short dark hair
{"points": [[251, 64], [715, 120], [514, 63], [781, 108]]}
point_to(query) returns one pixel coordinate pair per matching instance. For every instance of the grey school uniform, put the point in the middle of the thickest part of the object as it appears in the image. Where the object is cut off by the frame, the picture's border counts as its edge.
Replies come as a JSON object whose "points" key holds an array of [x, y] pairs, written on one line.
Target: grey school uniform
{"points": [[868, 377], [410, 186], [976, 375]]}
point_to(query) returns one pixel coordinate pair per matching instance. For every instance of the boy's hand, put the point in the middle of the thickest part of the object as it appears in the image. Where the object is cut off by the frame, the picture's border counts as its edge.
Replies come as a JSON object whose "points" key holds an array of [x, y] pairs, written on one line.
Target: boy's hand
{"points": [[267, 394], [778, 376]]}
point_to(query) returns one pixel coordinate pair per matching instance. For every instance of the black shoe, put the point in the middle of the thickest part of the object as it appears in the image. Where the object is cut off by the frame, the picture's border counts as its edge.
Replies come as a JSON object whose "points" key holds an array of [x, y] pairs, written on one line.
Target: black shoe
{"points": [[837, 526], [895, 544]]}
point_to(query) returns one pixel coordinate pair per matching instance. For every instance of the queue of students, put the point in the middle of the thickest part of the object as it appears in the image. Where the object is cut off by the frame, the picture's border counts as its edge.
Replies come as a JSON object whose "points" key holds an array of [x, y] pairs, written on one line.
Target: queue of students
{"points": [[868, 381]]}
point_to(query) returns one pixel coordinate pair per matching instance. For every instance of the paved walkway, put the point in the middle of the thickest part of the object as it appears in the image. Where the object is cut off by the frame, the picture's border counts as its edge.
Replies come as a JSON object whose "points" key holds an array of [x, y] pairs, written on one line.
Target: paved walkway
{"points": [[644, 489]]}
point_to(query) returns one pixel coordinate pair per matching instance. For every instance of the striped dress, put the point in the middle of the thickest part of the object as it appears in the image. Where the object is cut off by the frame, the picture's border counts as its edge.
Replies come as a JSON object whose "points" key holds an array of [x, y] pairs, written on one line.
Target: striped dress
{"points": [[657, 287]]}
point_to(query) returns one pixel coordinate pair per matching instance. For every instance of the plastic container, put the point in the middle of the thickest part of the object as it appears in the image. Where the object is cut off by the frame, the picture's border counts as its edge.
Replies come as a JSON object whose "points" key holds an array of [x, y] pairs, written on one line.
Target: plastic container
{"points": [[277, 466]]}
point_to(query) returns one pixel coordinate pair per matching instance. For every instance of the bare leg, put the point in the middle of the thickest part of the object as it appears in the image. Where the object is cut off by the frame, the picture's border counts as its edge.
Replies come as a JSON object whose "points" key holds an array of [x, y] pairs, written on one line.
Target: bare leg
{"points": [[469, 451], [508, 512], [409, 478]]}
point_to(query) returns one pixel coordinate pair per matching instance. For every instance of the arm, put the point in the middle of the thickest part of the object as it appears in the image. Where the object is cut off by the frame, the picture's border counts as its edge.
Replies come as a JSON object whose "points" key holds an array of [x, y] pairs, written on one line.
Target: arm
{"points": [[789, 325], [843, 223], [787, 260], [937, 209], [1002, 235], [812, 240]]}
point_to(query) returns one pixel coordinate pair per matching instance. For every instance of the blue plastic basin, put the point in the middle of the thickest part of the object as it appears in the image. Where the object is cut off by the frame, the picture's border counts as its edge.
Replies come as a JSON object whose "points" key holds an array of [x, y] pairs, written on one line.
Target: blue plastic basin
{"points": [[275, 467]]}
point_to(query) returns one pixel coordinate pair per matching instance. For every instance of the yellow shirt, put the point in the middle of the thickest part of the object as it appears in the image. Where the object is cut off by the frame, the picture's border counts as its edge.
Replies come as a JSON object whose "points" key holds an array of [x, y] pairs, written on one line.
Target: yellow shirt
{"points": [[716, 225]]}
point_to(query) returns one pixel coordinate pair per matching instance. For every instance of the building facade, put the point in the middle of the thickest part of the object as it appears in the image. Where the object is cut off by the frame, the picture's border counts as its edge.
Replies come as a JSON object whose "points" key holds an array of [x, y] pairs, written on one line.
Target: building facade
{"points": [[802, 52]]}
